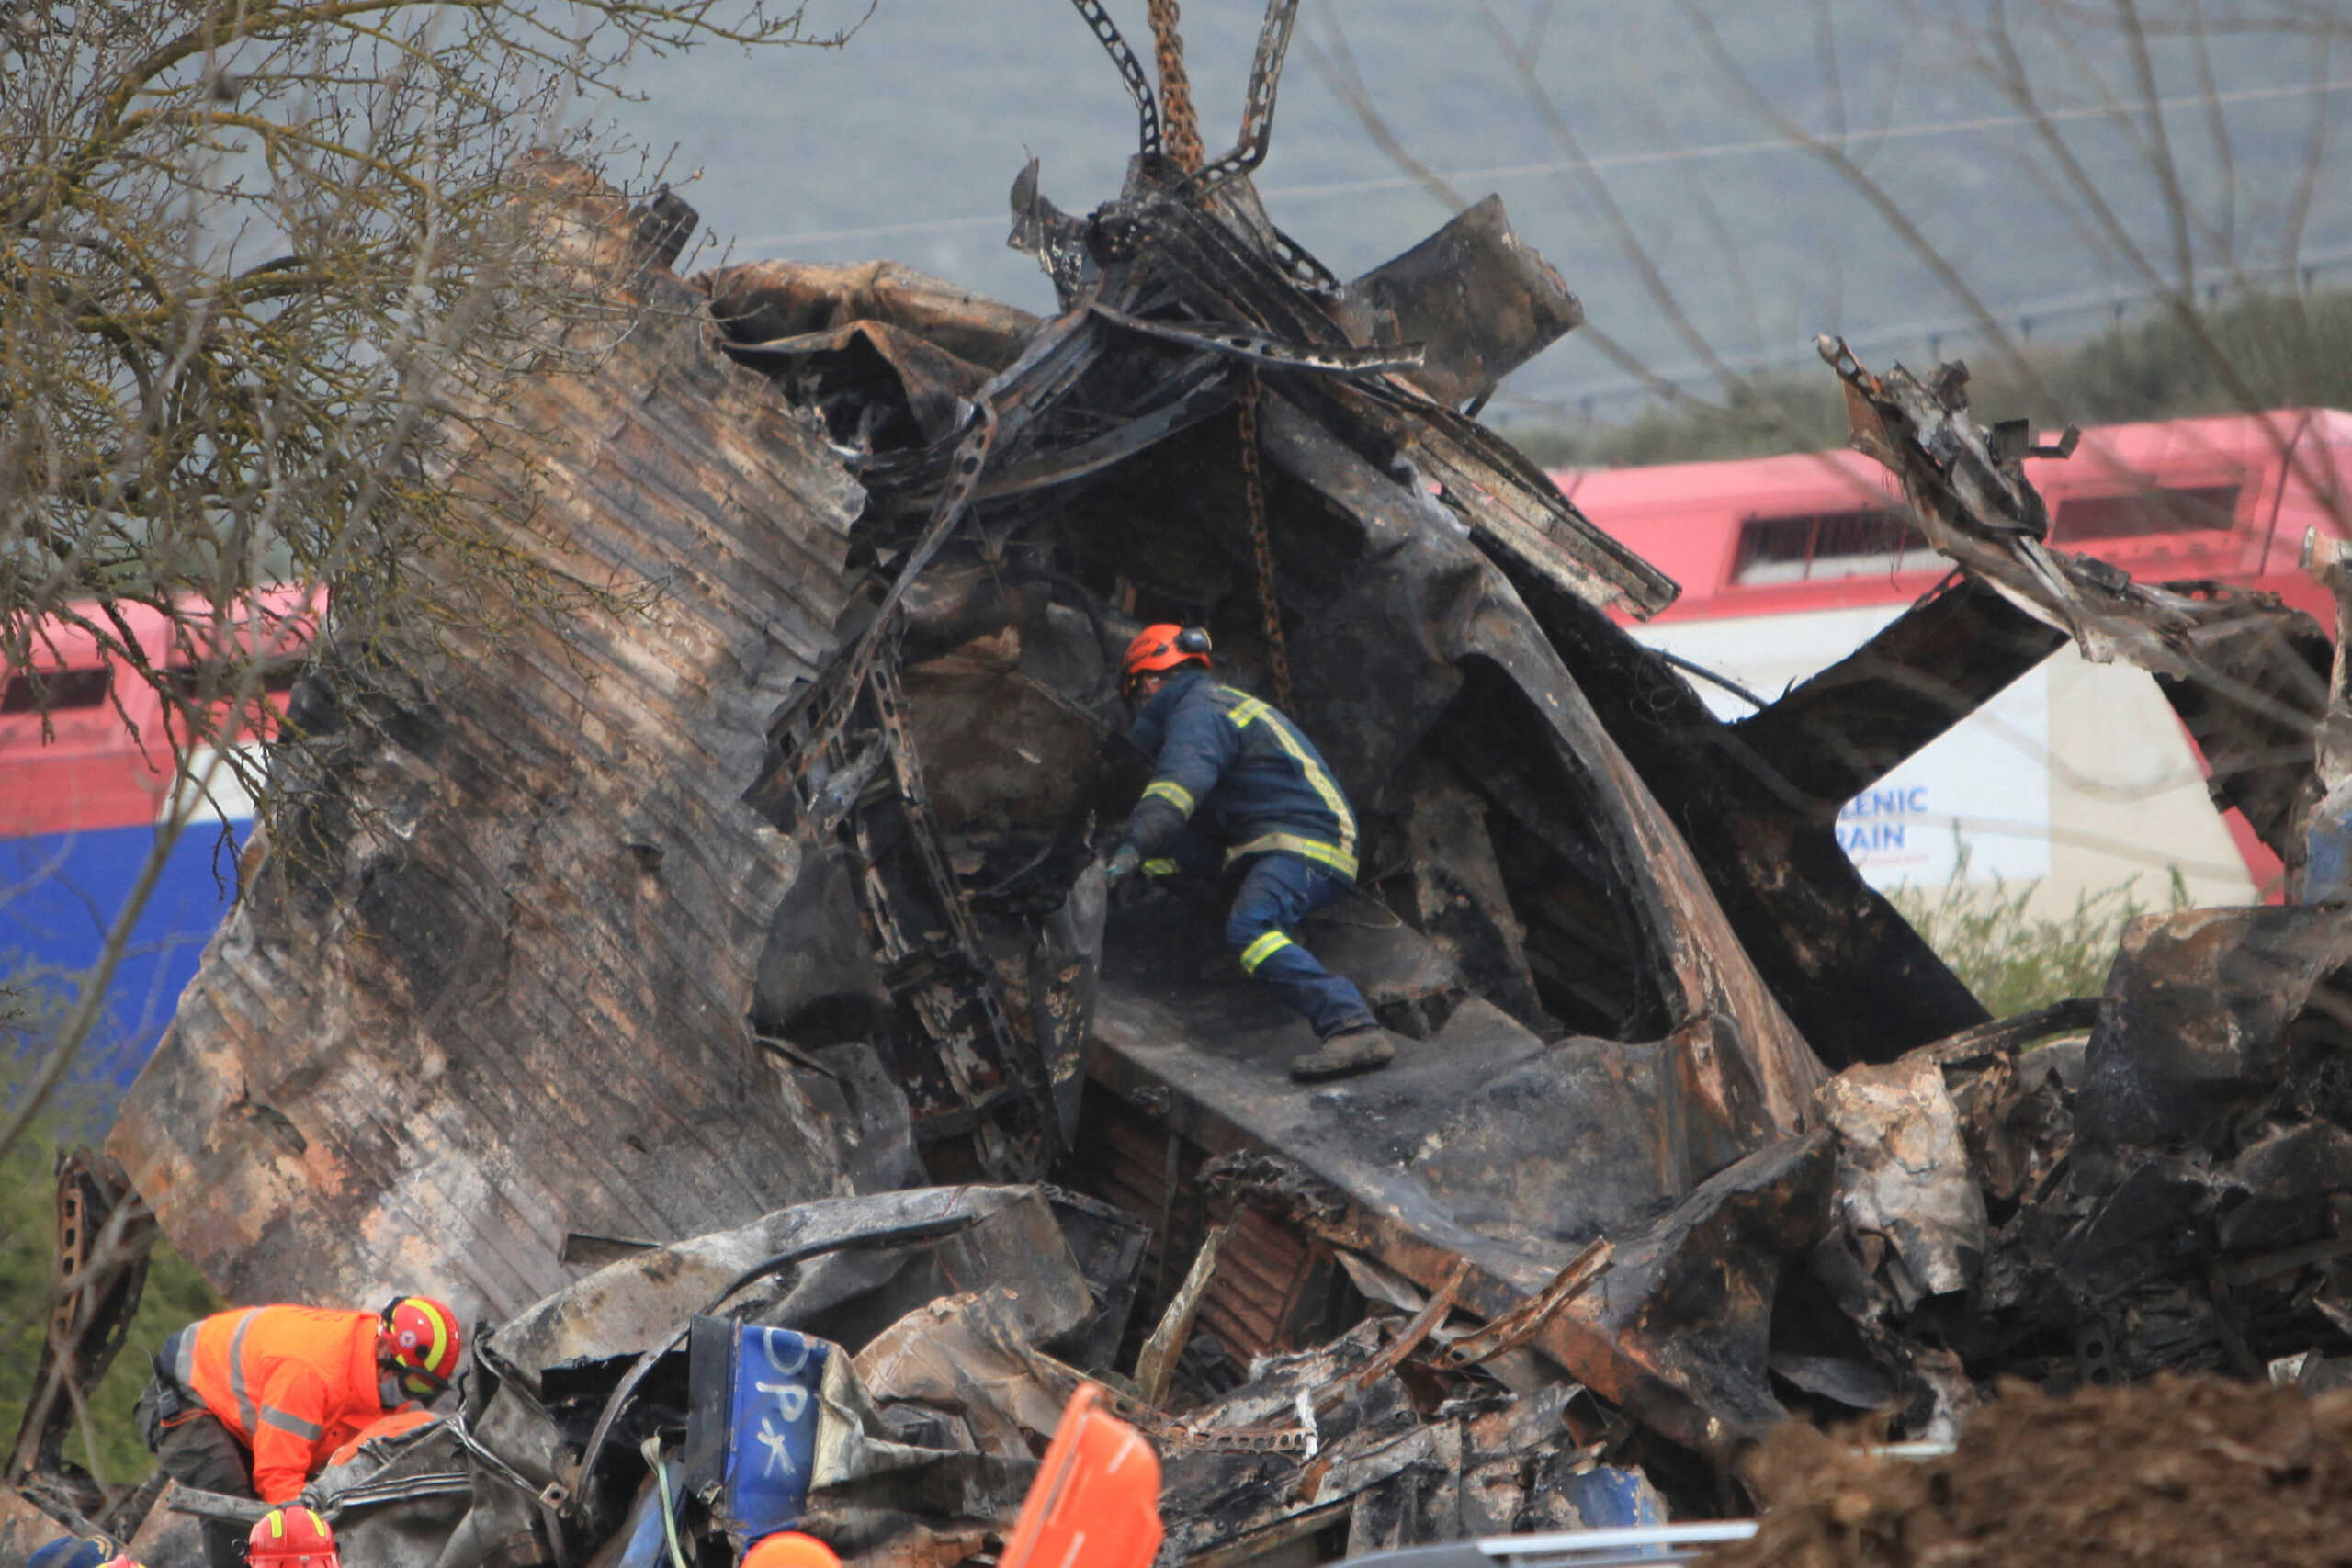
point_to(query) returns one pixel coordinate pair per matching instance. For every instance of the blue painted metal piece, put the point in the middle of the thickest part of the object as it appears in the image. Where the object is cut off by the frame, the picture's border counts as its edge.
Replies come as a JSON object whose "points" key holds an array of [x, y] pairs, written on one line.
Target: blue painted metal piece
{"points": [[58, 894], [772, 1427], [643, 1545], [2327, 849], [1608, 1498]]}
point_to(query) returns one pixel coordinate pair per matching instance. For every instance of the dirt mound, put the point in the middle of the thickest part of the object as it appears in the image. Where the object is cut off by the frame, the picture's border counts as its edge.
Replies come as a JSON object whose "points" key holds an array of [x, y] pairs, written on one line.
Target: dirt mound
{"points": [[2179, 1472]]}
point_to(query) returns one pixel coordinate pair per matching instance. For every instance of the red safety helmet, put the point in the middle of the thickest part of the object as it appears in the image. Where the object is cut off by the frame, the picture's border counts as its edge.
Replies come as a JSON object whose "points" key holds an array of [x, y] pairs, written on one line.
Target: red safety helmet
{"points": [[421, 1335], [1159, 648], [291, 1538]]}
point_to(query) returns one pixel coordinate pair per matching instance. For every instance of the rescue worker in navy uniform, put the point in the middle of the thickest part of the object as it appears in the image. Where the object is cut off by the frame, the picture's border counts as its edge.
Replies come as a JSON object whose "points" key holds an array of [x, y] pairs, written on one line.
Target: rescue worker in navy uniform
{"points": [[1236, 786]]}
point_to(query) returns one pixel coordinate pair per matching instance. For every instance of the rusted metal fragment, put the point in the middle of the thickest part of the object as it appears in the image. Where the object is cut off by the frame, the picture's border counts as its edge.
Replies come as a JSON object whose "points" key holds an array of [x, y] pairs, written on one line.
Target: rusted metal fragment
{"points": [[1507, 501], [2208, 1012], [103, 1237], [964, 1363], [492, 982], [1676, 1331], [1906, 1196], [1479, 299], [1246, 1474], [24, 1529], [1690, 1297], [1837, 734], [765, 300]]}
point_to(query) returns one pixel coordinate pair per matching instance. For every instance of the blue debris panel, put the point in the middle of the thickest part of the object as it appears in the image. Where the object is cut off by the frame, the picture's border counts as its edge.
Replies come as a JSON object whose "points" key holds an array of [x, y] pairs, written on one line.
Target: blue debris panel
{"points": [[773, 1408]]}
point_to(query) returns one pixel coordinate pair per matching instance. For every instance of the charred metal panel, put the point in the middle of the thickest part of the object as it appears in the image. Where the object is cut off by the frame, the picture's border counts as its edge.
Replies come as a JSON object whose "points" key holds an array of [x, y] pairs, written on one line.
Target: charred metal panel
{"points": [[493, 979], [2254, 707], [1477, 299], [1854, 976], [1837, 734], [1371, 698], [971, 1077], [2208, 1013]]}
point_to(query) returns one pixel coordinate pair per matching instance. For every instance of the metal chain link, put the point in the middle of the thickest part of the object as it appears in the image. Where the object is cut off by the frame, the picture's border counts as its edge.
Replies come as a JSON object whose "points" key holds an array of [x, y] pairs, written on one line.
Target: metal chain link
{"points": [[1183, 128], [1262, 544], [1183, 141]]}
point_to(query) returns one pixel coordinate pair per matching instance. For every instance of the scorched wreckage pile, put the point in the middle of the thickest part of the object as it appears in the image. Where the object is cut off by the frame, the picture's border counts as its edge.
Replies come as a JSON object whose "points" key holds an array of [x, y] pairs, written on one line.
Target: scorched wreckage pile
{"points": [[720, 1002]]}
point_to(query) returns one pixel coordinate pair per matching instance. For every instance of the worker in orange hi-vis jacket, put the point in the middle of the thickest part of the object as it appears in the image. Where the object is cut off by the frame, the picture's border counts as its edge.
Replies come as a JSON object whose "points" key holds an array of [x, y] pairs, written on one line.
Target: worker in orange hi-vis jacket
{"points": [[253, 1401]]}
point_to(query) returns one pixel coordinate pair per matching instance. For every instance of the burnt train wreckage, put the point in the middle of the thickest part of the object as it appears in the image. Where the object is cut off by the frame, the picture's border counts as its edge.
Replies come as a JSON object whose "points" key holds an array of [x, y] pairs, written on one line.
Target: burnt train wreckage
{"points": [[636, 981]]}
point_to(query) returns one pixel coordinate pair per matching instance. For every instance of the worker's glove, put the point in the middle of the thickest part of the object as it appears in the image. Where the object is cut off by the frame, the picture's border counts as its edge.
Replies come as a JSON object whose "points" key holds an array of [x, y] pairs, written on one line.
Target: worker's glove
{"points": [[1122, 863]]}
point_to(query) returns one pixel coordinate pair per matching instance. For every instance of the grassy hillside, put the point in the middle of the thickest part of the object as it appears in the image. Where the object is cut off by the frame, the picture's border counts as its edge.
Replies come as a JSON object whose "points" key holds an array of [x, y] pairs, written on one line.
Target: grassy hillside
{"points": [[2290, 353]]}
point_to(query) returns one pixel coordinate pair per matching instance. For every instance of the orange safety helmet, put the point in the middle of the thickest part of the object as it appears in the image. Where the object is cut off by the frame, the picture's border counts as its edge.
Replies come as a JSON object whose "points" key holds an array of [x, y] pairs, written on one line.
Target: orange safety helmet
{"points": [[421, 1335], [291, 1538], [790, 1549], [1161, 648]]}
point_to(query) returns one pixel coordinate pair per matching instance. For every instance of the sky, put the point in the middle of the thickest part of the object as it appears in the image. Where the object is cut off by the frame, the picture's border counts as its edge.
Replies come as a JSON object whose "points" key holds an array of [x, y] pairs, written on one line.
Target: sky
{"points": [[1702, 230]]}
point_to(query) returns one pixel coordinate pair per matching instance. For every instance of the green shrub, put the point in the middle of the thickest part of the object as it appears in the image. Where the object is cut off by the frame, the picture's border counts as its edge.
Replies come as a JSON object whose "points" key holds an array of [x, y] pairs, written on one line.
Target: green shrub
{"points": [[2014, 959]]}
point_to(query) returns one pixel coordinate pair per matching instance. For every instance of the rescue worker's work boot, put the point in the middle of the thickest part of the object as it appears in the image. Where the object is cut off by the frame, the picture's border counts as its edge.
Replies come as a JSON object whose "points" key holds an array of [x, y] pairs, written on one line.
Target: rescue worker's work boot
{"points": [[1357, 1051]]}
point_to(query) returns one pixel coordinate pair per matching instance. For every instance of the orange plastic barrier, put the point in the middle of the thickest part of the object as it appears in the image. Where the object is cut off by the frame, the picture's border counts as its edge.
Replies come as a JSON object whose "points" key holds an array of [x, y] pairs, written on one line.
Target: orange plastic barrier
{"points": [[1096, 1502]]}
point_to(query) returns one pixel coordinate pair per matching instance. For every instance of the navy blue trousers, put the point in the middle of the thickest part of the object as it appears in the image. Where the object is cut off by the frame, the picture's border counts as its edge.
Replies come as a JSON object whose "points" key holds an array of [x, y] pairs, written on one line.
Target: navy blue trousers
{"points": [[1277, 892]]}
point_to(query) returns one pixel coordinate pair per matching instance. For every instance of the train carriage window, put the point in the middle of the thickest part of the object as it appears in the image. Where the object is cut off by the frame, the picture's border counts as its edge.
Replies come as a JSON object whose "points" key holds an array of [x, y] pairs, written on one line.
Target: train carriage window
{"points": [[1811, 546], [2159, 508], [64, 689], [218, 683]]}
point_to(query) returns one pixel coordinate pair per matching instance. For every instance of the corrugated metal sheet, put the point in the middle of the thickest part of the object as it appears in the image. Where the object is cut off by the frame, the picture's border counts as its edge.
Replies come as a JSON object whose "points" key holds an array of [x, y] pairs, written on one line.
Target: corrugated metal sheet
{"points": [[520, 937], [1272, 1288]]}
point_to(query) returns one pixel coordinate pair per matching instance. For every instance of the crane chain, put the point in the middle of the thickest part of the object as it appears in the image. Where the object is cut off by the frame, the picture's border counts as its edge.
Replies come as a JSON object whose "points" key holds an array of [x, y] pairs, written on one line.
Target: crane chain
{"points": [[1183, 126], [1262, 544], [1184, 149]]}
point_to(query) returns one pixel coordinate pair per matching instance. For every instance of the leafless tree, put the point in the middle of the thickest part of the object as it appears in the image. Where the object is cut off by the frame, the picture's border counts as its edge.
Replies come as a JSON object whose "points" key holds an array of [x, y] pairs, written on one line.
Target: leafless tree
{"points": [[264, 265]]}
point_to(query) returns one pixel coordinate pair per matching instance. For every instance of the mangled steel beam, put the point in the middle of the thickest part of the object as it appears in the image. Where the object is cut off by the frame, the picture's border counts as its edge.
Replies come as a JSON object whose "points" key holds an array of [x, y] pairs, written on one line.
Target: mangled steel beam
{"points": [[2248, 674], [515, 916], [1838, 733], [1861, 984]]}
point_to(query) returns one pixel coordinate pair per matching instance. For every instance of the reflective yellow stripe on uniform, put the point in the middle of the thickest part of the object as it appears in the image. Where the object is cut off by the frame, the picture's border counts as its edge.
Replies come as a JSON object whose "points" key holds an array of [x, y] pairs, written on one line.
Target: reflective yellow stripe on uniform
{"points": [[1174, 794], [1258, 951], [1330, 855], [1341, 856], [1159, 868]]}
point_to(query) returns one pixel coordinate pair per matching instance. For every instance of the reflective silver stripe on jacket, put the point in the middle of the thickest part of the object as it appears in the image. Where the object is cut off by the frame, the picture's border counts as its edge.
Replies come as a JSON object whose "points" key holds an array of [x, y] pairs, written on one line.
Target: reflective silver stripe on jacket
{"points": [[309, 1431], [178, 1358], [246, 1415]]}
